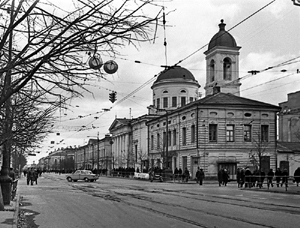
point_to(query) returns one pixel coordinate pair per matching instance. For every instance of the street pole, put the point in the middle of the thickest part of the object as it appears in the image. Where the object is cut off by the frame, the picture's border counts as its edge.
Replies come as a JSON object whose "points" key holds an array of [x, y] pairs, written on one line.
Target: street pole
{"points": [[98, 153]]}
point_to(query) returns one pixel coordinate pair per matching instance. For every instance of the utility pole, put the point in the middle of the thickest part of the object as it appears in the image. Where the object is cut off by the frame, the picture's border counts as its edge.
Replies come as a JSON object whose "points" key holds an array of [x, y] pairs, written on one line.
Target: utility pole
{"points": [[98, 152]]}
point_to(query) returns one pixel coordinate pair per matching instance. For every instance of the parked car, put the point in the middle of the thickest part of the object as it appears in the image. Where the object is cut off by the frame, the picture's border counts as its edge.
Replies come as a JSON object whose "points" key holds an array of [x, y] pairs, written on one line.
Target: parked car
{"points": [[85, 175]]}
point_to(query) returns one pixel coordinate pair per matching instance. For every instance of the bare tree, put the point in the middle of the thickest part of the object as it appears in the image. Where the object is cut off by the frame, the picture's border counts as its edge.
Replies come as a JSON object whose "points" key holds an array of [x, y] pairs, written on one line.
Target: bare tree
{"points": [[49, 47]]}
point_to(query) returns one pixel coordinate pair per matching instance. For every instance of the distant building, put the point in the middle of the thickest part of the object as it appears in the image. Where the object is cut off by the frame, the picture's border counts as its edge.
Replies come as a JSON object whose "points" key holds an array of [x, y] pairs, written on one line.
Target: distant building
{"points": [[288, 151]]}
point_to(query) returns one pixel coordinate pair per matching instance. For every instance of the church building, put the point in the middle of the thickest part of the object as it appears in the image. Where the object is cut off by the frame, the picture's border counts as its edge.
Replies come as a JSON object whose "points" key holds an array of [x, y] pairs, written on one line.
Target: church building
{"points": [[221, 130]]}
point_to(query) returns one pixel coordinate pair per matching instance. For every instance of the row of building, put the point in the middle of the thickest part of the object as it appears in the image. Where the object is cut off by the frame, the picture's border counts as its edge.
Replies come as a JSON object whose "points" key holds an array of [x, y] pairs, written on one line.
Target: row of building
{"points": [[183, 130]]}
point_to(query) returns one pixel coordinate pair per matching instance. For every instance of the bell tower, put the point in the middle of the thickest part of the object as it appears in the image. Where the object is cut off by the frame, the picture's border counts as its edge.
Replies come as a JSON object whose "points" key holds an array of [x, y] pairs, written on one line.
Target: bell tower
{"points": [[222, 63]]}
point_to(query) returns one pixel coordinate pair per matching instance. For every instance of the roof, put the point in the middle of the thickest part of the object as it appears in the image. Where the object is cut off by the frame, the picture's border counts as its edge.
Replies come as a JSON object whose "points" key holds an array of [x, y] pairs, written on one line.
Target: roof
{"points": [[222, 38], [221, 99], [288, 147], [120, 122], [175, 72]]}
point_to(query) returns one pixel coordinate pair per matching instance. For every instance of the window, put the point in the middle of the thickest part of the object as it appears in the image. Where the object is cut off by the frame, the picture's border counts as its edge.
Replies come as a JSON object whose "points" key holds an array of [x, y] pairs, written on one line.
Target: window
{"points": [[169, 138], [158, 103], [152, 142], [212, 133], [212, 70], [193, 133], [174, 137], [183, 101], [165, 102], [183, 136], [264, 133], [158, 141], [247, 133], [230, 133], [227, 69], [164, 139], [136, 152], [174, 101], [191, 99]]}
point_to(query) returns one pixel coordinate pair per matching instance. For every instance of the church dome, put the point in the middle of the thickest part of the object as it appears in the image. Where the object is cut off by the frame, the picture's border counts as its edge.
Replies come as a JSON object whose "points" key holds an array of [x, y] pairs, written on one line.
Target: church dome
{"points": [[222, 38], [175, 73]]}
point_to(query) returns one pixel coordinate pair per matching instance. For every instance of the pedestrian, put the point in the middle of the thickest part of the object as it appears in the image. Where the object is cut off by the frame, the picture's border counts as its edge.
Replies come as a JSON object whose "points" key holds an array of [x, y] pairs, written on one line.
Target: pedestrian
{"points": [[261, 178], [278, 175], [270, 176], [186, 174], [238, 177], [297, 176], [285, 176], [176, 173], [179, 174], [248, 175], [225, 177], [12, 174], [30, 176], [200, 176], [242, 177], [220, 177]]}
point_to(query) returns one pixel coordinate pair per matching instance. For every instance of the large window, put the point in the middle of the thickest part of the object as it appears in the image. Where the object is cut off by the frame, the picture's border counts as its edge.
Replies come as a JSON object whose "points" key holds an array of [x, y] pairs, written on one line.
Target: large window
{"points": [[152, 142], [193, 133], [174, 101], [183, 101], [212, 70], [158, 103], [264, 133], [158, 141], [247, 133], [165, 102], [212, 134], [183, 136], [174, 137], [164, 139], [169, 138], [230, 133], [227, 69]]}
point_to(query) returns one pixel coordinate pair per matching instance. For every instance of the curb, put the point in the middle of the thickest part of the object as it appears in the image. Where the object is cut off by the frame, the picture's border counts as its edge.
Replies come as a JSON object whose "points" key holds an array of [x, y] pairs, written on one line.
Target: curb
{"points": [[270, 190], [16, 213]]}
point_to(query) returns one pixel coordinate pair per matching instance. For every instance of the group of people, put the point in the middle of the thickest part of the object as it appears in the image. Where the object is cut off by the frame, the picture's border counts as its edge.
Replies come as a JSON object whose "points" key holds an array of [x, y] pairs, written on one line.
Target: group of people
{"points": [[223, 177], [32, 175], [256, 178]]}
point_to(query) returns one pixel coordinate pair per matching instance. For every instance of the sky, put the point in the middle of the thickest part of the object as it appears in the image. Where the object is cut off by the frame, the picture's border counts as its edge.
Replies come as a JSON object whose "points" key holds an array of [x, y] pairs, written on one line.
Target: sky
{"points": [[267, 39]]}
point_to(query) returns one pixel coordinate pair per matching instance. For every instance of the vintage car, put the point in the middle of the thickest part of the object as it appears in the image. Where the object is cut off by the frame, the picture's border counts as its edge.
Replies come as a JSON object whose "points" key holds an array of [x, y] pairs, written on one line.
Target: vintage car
{"points": [[85, 175]]}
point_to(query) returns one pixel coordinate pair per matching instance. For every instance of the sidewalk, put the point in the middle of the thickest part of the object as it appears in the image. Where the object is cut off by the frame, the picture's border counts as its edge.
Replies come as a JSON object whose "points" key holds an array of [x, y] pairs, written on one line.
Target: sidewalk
{"points": [[9, 217], [292, 189]]}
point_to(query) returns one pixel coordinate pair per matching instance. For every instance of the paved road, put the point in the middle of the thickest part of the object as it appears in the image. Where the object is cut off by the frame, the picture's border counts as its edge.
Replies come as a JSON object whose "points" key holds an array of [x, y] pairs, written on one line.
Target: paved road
{"points": [[115, 202]]}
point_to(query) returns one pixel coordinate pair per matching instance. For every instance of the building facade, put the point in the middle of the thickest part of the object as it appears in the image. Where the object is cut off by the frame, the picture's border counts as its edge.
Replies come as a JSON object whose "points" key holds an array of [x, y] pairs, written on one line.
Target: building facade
{"points": [[288, 151]]}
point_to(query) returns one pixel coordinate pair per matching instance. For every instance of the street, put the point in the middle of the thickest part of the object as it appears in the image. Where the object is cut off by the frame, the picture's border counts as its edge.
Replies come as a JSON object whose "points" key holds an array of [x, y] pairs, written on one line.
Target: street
{"points": [[118, 202]]}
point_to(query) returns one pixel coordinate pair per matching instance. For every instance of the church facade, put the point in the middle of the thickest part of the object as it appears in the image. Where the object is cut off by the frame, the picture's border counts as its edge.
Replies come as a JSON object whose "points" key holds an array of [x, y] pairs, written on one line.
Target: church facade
{"points": [[221, 130]]}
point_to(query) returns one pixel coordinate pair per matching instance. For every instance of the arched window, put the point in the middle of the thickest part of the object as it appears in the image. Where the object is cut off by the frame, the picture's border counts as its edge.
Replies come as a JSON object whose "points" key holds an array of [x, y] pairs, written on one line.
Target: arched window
{"points": [[227, 69], [212, 70]]}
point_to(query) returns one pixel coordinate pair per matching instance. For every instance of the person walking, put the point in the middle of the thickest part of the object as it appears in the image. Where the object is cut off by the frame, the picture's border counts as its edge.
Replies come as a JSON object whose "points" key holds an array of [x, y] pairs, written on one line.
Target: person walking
{"points": [[270, 176], [297, 176], [285, 176], [248, 175], [186, 174], [220, 177], [175, 174], [278, 175], [200, 176], [225, 177]]}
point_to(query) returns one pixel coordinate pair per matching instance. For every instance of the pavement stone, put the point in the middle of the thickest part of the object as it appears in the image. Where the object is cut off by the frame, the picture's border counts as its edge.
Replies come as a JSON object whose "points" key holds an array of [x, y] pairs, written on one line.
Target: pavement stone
{"points": [[9, 217]]}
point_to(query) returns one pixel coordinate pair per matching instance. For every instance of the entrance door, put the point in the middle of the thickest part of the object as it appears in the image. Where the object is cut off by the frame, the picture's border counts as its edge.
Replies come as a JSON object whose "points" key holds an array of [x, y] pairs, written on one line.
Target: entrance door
{"points": [[231, 169]]}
